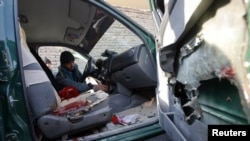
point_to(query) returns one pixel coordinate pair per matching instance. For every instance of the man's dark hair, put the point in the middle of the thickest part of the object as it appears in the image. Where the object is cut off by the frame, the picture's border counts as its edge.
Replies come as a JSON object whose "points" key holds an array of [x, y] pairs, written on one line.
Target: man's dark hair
{"points": [[66, 57]]}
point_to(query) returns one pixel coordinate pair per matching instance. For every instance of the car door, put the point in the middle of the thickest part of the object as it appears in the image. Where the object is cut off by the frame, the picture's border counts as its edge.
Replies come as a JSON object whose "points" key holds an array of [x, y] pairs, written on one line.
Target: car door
{"points": [[14, 121], [202, 65]]}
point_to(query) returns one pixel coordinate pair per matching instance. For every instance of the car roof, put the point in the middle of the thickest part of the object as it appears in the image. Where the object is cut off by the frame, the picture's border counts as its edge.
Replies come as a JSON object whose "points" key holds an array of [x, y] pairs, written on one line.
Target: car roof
{"points": [[62, 22]]}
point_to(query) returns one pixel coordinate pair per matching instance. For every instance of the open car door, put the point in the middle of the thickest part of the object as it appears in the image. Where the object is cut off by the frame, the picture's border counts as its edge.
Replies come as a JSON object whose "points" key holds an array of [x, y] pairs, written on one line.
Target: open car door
{"points": [[203, 65]]}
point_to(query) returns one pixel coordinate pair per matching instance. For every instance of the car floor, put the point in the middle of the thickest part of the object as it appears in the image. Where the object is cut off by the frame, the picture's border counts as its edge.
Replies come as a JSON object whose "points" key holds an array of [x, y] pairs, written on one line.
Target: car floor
{"points": [[138, 116]]}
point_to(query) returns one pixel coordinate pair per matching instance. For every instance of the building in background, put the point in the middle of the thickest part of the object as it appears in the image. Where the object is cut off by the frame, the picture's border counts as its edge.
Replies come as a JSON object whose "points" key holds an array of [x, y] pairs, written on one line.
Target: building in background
{"points": [[137, 4]]}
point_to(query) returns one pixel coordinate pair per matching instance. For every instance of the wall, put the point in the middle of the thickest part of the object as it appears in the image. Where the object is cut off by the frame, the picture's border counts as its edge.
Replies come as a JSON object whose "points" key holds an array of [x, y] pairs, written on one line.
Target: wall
{"points": [[136, 4], [143, 17]]}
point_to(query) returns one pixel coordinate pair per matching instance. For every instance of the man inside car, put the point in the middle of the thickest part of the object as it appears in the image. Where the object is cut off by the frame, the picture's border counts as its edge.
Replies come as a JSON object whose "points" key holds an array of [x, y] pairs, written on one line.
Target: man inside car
{"points": [[69, 75]]}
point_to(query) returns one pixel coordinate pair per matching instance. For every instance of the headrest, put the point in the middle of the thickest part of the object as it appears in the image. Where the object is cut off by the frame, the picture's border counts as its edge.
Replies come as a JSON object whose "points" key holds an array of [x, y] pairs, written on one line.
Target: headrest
{"points": [[22, 33], [23, 37]]}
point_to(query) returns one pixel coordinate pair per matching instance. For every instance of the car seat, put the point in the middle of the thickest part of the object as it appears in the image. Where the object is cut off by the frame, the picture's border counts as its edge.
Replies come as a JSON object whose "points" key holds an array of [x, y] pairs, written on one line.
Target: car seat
{"points": [[43, 99]]}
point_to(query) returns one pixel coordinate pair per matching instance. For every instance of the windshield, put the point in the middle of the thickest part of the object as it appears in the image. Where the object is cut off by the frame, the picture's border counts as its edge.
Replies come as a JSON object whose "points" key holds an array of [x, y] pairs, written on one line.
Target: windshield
{"points": [[117, 38]]}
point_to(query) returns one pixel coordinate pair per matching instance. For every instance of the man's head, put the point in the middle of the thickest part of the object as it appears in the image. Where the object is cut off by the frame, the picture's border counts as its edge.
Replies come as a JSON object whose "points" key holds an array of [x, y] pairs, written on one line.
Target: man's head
{"points": [[67, 60]]}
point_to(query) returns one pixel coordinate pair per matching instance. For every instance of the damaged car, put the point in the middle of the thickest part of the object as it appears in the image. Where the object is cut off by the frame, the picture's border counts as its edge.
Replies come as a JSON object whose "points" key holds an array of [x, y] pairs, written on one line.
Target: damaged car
{"points": [[193, 72], [109, 49], [202, 65]]}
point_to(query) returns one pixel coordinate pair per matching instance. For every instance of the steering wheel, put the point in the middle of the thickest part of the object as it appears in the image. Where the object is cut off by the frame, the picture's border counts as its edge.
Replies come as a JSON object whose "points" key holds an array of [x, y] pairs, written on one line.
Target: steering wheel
{"points": [[87, 68]]}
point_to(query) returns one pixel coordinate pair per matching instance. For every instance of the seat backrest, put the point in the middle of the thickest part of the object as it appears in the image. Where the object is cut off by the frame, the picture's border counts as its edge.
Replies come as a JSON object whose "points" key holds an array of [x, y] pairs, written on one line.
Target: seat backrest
{"points": [[41, 95], [48, 72]]}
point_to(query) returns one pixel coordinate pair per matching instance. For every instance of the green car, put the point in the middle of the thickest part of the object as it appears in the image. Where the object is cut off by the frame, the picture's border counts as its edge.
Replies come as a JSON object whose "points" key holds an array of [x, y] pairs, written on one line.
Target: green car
{"points": [[181, 80]]}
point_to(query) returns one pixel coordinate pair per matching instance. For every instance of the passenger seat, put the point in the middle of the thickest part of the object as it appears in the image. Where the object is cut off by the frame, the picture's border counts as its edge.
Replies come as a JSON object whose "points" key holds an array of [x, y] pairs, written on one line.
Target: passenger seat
{"points": [[43, 99]]}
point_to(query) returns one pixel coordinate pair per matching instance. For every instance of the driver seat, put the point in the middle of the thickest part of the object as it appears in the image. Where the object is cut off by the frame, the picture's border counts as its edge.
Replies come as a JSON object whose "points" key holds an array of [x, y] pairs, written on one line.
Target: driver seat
{"points": [[43, 99]]}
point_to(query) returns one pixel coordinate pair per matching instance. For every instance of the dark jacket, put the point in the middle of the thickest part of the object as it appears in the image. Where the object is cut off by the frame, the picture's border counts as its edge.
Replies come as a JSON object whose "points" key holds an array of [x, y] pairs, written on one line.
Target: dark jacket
{"points": [[71, 78]]}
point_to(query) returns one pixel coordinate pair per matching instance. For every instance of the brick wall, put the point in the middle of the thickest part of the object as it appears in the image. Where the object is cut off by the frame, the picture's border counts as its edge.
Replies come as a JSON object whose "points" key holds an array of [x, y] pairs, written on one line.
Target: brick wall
{"points": [[143, 17]]}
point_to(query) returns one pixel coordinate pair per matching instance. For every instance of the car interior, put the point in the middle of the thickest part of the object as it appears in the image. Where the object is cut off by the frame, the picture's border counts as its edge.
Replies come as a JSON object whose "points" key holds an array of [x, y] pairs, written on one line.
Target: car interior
{"points": [[131, 75], [201, 79]]}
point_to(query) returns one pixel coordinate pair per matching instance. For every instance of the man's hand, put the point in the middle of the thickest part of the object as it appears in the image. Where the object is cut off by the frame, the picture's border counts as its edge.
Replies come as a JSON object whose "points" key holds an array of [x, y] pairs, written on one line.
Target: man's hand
{"points": [[102, 87]]}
